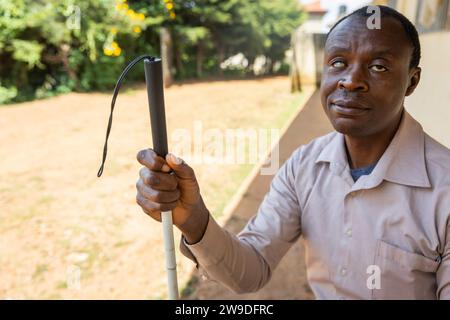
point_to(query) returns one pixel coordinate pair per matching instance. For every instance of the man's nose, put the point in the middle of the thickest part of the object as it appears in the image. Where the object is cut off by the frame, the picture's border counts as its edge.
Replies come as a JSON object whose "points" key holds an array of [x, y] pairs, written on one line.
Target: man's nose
{"points": [[354, 80]]}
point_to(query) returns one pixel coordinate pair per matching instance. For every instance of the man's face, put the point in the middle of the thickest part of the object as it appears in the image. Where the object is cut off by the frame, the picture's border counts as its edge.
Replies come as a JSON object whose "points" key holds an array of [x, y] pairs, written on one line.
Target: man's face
{"points": [[366, 76]]}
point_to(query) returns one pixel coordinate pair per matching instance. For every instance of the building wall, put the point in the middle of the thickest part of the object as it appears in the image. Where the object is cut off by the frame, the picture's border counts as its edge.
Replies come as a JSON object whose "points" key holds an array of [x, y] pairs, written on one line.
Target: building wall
{"points": [[304, 50], [303, 47], [430, 104], [408, 8]]}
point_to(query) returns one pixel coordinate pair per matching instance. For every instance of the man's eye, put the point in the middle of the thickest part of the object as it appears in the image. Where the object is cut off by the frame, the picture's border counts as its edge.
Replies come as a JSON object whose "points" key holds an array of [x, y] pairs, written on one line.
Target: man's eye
{"points": [[378, 68], [338, 64]]}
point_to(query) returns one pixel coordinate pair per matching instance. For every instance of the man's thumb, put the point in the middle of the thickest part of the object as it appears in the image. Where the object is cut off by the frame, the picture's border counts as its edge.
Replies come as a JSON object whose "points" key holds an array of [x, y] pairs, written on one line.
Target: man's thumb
{"points": [[181, 169]]}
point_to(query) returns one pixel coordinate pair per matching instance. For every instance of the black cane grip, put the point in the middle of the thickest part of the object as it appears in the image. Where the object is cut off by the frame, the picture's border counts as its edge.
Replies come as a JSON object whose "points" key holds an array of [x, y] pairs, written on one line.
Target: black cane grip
{"points": [[155, 93]]}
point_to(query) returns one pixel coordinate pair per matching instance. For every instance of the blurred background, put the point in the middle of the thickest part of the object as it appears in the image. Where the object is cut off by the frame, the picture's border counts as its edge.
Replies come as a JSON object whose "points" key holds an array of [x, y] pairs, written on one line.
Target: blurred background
{"points": [[52, 47], [228, 64]]}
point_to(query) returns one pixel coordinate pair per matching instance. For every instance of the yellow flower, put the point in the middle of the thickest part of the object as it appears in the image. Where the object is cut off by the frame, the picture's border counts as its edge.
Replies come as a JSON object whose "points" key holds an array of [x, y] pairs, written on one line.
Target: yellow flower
{"points": [[117, 52], [141, 16], [119, 6], [130, 13], [107, 51], [169, 6], [114, 30], [172, 15], [125, 6], [114, 45], [137, 29]]}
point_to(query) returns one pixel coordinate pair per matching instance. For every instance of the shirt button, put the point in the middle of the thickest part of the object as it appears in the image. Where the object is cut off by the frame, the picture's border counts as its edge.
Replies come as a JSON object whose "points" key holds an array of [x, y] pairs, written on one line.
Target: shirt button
{"points": [[343, 272], [349, 232]]}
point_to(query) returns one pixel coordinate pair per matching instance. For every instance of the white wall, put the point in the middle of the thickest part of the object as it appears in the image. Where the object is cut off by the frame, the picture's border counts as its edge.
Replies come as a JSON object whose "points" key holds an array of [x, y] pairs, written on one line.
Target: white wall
{"points": [[408, 8], [304, 52], [430, 104]]}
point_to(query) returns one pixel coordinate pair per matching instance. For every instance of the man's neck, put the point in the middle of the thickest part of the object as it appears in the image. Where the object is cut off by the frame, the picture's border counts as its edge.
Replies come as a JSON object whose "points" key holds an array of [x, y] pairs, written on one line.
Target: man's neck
{"points": [[365, 151]]}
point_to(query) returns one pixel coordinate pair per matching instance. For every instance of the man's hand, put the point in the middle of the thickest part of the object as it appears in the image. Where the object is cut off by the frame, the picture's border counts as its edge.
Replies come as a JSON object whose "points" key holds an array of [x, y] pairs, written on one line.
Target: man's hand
{"points": [[170, 184]]}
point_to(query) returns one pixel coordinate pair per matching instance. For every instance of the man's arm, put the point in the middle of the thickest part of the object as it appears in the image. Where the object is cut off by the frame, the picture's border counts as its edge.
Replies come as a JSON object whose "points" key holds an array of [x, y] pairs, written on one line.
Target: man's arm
{"points": [[244, 263]]}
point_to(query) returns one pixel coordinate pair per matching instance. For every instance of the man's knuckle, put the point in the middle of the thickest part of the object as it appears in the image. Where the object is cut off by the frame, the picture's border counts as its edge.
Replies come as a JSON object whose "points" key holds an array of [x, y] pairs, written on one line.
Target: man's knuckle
{"points": [[156, 206], [173, 182], [152, 164], [152, 179], [159, 197], [139, 199], [143, 172]]}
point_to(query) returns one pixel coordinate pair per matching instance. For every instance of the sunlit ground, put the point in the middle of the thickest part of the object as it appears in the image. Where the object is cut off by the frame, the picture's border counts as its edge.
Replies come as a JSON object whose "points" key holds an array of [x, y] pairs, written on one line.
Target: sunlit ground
{"points": [[64, 233]]}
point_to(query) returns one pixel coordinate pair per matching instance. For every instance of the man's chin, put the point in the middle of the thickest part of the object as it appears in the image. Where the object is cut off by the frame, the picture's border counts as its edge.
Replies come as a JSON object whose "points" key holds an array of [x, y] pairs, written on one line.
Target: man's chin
{"points": [[349, 127]]}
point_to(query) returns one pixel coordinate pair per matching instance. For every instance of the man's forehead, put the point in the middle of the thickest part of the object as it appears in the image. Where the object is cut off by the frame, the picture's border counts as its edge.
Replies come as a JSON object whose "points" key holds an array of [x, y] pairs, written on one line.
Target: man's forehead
{"points": [[354, 31]]}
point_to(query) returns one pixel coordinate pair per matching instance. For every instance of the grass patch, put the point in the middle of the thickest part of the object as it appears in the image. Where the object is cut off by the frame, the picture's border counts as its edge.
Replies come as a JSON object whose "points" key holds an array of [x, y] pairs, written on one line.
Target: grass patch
{"points": [[120, 244], [38, 273], [189, 288]]}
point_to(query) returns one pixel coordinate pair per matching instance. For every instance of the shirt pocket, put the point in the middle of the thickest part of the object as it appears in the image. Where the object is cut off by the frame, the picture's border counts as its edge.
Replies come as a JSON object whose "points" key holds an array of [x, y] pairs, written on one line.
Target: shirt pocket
{"points": [[404, 275]]}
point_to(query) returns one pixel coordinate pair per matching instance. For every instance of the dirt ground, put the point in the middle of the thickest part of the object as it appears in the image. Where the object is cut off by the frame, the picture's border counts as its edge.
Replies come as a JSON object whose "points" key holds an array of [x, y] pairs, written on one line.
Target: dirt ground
{"points": [[64, 233]]}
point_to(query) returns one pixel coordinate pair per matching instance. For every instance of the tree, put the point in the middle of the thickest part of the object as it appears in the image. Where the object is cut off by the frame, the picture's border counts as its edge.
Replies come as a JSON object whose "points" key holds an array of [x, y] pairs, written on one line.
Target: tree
{"points": [[54, 46]]}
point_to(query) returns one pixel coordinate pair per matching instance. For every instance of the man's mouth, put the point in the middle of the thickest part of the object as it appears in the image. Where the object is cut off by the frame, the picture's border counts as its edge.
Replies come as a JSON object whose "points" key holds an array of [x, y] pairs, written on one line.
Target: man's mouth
{"points": [[348, 108]]}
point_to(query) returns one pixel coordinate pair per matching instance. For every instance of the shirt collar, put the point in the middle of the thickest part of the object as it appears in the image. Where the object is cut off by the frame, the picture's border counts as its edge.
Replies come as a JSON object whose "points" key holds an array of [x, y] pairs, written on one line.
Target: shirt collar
{"points": [[403, 162]]}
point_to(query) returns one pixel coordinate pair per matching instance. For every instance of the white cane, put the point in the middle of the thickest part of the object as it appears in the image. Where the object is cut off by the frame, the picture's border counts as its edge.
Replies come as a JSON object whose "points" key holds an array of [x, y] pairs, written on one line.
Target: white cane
{"points": [[169, 248], [155, 92]]}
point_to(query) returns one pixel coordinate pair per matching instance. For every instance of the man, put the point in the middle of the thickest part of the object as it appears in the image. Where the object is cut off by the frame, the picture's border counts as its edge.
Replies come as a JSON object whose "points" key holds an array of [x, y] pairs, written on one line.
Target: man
{"points": [[371, 200]]}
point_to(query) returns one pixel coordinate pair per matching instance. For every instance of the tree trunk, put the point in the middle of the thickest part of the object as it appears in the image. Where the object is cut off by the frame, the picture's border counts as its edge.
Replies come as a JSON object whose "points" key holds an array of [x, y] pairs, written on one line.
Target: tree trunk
{"points": [[166, 56], [62, 57], [294, 70], [269, 66], [178, 61], [65, 50], [200, 59], [221, 57], [250, 71]]}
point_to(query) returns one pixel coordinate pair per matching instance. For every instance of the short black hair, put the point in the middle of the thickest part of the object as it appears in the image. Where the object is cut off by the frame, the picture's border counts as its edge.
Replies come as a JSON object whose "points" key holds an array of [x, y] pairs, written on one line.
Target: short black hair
{"points": [[407, 25]]}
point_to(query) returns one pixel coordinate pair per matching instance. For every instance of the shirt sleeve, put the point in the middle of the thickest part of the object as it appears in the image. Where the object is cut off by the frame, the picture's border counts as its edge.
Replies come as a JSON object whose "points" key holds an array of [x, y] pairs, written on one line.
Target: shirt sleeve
{"points": [[443, 272], [244, 263]]}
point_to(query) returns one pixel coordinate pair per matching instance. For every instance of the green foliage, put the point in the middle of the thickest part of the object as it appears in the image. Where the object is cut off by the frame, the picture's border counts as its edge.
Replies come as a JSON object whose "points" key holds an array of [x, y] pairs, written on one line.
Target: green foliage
{"points": [[7, 94], [57, 46], [27, 51]]}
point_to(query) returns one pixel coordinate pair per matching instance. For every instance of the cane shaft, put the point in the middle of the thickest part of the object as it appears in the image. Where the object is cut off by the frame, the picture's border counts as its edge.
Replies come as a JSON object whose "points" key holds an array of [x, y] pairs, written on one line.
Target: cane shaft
{"points": [[155, 92]]}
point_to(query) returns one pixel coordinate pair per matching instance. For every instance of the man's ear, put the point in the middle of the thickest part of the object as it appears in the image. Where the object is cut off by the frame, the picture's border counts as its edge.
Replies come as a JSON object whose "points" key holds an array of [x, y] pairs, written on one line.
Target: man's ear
{"points": [[414, 79]]}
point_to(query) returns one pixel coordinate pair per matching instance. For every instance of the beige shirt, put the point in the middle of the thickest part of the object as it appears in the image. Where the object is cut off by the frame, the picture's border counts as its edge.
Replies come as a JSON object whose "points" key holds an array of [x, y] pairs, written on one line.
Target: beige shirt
{"points": [[386, 236]]}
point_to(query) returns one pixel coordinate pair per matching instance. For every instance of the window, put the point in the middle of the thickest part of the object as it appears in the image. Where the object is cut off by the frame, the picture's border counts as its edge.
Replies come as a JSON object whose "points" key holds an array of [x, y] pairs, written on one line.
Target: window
{"points": [[448, 16], [432, 15], [392, 3]]}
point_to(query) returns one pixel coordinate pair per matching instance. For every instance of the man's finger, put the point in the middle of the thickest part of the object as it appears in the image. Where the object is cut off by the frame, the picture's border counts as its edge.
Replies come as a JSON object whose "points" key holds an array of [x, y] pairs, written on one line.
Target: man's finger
{"points": [[153, 208], [151, 160], [157, 195], [158, 180], [181, 168]]}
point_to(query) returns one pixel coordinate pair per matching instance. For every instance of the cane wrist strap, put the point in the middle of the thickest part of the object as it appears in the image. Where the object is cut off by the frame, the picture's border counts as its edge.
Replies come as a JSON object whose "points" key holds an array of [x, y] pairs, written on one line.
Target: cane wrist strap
{"points": [[113, 102]]}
